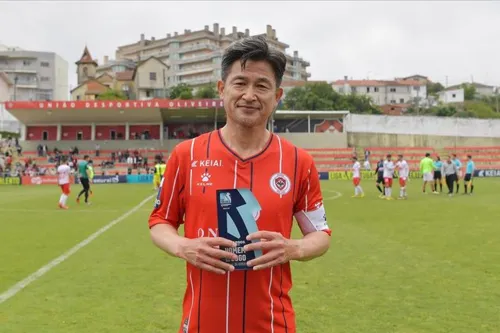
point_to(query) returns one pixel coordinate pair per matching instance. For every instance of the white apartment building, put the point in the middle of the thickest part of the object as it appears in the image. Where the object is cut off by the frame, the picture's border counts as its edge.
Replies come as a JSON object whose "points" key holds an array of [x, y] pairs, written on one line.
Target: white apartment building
{"points": [[194, 57], [383, 92], [35, 75]]}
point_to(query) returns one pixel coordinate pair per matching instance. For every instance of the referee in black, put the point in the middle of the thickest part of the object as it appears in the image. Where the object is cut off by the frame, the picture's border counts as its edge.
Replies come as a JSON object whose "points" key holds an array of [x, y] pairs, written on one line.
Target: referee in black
{"points": [[450, 173]]}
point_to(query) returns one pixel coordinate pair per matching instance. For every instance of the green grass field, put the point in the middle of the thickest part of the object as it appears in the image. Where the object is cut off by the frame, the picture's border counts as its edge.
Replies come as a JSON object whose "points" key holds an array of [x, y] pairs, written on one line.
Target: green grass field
{"points": [[428, 264]]}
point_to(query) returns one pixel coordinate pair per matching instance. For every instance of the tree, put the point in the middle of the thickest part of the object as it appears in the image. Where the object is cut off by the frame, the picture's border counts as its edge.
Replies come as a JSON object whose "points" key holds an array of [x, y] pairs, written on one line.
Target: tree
{"points": [[433, 88], [208, 91], [321, 96], [469, 91], [181, 91], [112, 95]]}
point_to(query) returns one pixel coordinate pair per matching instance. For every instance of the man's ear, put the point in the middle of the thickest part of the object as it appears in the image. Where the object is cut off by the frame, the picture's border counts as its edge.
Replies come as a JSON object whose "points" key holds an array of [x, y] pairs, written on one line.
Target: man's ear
{"points": [[220, 88], [279, 94]]}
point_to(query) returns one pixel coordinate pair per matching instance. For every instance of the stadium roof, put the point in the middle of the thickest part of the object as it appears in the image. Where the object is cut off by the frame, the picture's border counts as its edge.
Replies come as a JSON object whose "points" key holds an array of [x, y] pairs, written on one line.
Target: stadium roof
{"points": [[146, 111]]}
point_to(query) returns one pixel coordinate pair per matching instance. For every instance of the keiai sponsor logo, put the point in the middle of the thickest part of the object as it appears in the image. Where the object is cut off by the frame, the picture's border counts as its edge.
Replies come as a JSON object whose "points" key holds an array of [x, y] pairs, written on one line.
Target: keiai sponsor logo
{"points": [[206, 163]]}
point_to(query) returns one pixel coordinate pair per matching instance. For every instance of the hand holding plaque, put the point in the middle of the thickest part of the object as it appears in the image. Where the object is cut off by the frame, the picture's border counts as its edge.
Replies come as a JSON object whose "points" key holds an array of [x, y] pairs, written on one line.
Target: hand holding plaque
{"points": [[237, 213]]}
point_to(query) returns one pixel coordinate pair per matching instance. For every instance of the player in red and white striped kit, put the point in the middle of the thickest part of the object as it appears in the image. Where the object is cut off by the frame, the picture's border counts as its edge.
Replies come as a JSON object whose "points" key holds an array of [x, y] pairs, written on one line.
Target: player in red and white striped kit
{"points": [[403, 171], [63, 174], [388, 176], [356, 179]]}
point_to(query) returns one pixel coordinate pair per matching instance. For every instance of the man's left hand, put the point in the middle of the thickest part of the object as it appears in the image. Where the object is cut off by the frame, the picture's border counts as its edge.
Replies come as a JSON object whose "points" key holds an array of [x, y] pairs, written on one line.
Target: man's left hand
{"points": [[276, 249]]}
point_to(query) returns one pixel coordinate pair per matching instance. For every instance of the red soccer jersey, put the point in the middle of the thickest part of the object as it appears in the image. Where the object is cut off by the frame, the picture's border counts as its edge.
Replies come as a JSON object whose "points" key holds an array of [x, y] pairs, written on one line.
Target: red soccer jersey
{"points": [[284, 180]]}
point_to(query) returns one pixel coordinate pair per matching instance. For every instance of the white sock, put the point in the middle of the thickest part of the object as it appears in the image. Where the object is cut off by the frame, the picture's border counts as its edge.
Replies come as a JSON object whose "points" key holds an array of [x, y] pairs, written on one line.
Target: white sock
{"points": [[403, 191], [64, 197], [61, 199], [386, 192], [355, 190], [360, 190], [389, 191]]}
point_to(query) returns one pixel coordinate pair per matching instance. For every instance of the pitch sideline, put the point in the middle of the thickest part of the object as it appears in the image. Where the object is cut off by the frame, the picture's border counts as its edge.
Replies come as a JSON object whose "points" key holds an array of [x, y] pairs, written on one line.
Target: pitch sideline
{"points": [[12, 291]]}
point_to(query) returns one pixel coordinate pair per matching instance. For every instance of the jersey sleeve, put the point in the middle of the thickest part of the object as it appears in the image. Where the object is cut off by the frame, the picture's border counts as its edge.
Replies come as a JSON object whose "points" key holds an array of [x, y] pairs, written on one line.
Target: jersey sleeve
{"points": [[309, 210], [169, 203]]}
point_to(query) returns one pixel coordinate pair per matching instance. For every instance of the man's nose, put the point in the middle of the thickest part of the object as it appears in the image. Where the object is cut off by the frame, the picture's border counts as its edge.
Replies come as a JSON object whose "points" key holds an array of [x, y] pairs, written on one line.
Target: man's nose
{"points": [[249, 94]]}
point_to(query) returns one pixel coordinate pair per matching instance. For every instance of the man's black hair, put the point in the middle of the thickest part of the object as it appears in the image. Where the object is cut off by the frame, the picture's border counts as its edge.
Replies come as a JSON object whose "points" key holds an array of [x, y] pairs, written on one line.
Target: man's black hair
{"points": [[427, 154], [85, 157], [253, 48]]}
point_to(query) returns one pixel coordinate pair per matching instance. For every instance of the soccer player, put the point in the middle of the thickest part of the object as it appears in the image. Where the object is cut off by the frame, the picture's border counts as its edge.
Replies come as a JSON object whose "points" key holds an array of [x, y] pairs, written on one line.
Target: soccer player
{"points": [[403, 171], [438, 177], [469, 175], [83, 173], [388, 177], [157, 173], [457, 162], [63, 173], [450, 174], [380, 176], [91, 175], [426, 168], [241, 155], [356, 179]]}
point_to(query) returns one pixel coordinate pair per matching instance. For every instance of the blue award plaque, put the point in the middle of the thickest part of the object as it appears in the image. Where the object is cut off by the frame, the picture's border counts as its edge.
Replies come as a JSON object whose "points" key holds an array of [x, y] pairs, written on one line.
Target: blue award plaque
{"points": [[237, 212]]}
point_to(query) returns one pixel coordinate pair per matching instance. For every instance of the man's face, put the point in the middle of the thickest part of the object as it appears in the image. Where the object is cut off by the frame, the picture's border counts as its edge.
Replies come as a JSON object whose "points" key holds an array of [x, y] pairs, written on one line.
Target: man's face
{"points": [[250, 95]]}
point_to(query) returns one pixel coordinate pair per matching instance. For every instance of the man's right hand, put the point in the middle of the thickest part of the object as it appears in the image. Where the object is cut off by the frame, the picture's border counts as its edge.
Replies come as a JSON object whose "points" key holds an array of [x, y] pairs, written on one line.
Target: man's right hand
{"points": [[205, 253]]}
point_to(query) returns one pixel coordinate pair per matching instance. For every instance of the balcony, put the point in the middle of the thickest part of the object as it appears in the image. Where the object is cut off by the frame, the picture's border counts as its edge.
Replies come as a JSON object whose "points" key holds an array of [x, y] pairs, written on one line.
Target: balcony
{"points": [[204, 80], [201, 46], [194, 70], [10, 69], [199, 58]]}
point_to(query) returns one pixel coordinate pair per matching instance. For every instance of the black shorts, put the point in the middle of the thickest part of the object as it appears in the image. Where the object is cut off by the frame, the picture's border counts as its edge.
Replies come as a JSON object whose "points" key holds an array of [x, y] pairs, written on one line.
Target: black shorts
{"points": [[85, 183], [437, 175], [468, 177], [380, 178]]}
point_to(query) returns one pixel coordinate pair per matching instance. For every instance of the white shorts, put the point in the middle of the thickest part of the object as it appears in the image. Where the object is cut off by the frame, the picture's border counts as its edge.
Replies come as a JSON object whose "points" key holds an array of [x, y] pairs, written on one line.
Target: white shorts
{"points": [[428, 177]]}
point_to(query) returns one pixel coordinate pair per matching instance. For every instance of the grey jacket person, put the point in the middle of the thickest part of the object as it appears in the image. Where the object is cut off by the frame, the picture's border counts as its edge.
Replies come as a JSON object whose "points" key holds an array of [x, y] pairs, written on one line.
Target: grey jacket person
{"points": [[449, 168]]}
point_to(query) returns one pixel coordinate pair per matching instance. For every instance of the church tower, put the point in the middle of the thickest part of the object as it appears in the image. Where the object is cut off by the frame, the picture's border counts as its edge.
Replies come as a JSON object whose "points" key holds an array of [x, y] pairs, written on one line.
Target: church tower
{"points": [[86, 67]]}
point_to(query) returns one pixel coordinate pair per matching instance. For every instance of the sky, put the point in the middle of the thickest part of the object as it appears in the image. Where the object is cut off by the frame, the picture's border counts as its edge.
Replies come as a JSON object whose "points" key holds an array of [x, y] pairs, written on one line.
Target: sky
{"points": [[447, 41]]}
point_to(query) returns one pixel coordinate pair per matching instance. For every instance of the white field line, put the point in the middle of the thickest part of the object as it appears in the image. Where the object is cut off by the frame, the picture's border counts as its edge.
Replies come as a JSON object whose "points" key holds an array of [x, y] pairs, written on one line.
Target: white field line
{"points": [[12, 291], [337, 195]]}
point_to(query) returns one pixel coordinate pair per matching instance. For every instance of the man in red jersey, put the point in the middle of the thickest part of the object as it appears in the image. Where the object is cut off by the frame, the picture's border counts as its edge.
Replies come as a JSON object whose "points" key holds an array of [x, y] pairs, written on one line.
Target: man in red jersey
{"points": [[241, 155]]}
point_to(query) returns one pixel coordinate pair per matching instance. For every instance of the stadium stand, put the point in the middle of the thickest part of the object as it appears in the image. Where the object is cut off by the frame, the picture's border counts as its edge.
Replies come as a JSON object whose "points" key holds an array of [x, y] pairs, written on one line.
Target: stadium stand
{"points": [[109, 162], [484, 157]]}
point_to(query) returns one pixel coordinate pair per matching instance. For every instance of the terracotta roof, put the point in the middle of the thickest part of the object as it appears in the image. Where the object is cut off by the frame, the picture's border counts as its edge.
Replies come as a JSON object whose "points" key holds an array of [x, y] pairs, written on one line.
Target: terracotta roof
{"points": [[360, 83], [96, 86], [86, 58], [124, 76], [92, 84], [378, 83]]}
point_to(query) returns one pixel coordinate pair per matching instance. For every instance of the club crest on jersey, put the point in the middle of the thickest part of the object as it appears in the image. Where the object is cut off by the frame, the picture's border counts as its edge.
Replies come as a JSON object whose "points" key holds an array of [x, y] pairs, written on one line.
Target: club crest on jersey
{"points": [[280, 183]]}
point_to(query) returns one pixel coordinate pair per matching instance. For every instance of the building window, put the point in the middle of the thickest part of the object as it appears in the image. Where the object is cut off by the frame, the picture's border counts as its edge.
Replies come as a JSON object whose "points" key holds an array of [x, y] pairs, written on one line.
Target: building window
{"points": [[392, 90], [152, 76], [44, 79], [77, 97], [454, 95], [375, 89], [353, 89], [401, 100], [393, 101], [26, 62], [416, 88], [341, 90], [44, 64], [367, 89]]}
